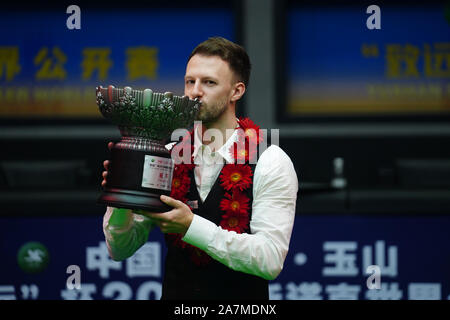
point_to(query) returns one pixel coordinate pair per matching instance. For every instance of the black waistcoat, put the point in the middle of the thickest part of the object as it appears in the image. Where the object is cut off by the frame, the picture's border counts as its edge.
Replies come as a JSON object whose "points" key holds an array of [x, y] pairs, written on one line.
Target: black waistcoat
{"points": [[184, 280]]}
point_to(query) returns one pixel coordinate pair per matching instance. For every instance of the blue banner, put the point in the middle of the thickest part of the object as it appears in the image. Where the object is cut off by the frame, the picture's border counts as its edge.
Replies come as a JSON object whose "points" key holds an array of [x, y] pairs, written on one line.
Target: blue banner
{"points": [[47, 69], [330, 257], [338, 63]]}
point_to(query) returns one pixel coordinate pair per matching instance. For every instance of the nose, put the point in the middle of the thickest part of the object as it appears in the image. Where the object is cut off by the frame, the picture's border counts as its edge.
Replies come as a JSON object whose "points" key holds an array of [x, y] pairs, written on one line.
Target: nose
{"points": [[196, 90]]}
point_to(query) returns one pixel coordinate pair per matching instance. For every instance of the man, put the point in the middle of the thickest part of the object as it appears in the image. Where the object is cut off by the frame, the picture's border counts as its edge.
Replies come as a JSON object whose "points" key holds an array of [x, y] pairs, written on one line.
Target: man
{"points": [[211, 259]]}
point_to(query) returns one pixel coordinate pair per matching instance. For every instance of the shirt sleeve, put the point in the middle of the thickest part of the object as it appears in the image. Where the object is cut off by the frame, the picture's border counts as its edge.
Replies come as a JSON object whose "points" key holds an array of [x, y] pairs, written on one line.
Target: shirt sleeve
{"points": [[125, 232], [263, 251]]}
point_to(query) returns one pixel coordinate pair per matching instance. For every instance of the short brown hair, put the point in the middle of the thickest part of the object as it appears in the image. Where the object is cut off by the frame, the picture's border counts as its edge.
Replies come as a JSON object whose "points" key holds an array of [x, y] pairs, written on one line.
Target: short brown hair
{"points": [[234, 54]]}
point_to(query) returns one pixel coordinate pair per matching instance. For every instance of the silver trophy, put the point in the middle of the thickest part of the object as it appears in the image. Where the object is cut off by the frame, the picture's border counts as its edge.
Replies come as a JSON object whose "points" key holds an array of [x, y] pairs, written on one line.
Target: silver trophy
{"points": [[141, 167]]}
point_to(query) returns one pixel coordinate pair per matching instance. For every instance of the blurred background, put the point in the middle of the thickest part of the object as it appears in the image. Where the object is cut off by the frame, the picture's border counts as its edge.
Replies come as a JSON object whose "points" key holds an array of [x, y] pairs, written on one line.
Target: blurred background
{"points": [[363, 113]]}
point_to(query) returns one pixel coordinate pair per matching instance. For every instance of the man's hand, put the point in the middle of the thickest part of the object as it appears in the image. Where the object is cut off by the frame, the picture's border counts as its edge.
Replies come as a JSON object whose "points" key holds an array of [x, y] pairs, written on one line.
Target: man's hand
{"points": [[176, 220], [106, 165]]}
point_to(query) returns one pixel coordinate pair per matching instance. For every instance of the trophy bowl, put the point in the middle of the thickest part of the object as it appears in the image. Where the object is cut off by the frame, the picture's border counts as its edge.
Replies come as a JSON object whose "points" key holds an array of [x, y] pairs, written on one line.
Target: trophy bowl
{"points": [[141, 167]]}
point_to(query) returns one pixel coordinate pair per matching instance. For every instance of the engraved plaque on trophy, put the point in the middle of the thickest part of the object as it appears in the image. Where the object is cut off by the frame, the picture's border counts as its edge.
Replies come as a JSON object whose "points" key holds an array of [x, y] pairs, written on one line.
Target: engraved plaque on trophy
{"points": [[141, 167]]}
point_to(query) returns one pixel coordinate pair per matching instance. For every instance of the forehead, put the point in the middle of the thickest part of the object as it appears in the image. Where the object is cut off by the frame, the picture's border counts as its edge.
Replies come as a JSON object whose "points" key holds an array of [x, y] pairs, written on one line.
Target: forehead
{"points": [[207, 66]]}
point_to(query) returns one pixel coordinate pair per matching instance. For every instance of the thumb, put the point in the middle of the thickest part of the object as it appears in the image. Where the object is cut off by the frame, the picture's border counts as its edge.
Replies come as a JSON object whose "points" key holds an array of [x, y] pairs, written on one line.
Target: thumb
{"points": [[171, 201]]}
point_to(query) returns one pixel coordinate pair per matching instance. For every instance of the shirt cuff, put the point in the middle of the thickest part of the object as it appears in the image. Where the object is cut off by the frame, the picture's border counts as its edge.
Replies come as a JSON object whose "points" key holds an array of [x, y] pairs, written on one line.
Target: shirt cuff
{"points": [[200, 233]]}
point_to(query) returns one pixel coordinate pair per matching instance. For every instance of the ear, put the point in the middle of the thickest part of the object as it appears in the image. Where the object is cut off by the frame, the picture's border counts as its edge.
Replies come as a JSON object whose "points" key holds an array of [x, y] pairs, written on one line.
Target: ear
{"points": [[238, 91]]}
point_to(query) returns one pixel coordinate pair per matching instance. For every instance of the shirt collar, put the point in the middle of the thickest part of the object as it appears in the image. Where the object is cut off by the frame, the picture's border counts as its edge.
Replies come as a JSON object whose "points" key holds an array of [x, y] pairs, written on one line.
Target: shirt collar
{"points": [[224, 150]]}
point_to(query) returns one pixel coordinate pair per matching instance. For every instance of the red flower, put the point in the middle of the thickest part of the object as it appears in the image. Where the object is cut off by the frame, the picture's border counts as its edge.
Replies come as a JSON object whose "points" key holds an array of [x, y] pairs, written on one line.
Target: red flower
{"points": [[250, 130], [182, 169], [180, 186], [236, 203], [235, 176], [234, 222], [242, 152], [179, 170]]}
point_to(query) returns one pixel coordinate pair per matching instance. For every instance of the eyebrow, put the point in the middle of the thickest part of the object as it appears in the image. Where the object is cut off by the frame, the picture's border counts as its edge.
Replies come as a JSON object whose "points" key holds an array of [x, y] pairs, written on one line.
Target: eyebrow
{"points": [[202, 78]]}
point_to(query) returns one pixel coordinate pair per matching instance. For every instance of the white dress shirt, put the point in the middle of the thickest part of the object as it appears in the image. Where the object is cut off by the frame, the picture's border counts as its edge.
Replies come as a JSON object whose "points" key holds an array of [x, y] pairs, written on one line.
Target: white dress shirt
{"points": [[261, 253]]}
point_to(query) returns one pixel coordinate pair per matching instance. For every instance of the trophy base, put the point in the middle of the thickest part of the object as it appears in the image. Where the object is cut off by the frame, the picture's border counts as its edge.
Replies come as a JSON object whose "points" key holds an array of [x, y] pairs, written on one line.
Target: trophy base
{"points": [[130, 199]]}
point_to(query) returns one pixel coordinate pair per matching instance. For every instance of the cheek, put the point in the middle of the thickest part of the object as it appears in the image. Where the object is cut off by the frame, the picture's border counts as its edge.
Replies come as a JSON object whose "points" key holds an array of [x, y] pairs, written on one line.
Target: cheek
{"points": [[220, 95]]}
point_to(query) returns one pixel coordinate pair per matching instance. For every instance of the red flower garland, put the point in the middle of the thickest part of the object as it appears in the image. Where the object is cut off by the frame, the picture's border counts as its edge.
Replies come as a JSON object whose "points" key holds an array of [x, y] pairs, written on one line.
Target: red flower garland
{"points": [[238, 203], [235, 222], [251, 130], [235, 178]]}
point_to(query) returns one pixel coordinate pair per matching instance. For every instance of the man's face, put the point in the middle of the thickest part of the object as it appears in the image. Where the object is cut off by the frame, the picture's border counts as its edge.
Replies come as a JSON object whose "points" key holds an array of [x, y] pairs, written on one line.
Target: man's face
{"points": [[211, 80]]}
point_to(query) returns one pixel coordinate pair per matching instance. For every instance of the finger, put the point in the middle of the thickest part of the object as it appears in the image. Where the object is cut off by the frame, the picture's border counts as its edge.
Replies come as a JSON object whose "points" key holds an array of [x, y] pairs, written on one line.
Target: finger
{"points": [[163, 225], [149, 215], [171, 201], [157, 222], [103, 183], [106, 164], [110, 145], [159, 216], [104, 174]]}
